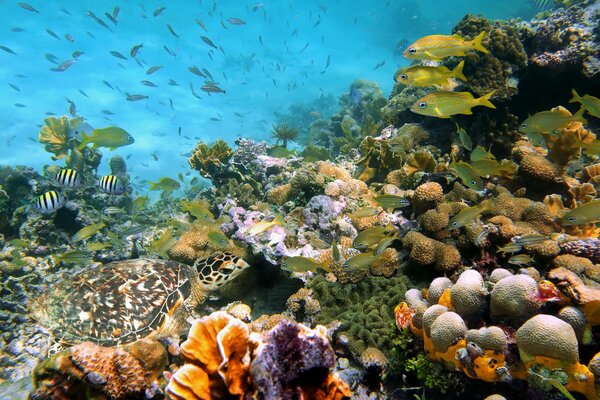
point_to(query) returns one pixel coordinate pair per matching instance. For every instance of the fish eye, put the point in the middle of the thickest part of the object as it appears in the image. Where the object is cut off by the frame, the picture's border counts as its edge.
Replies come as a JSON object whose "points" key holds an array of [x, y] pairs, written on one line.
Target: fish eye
{"points": [[571, 219], [473, 182], [523, 125], [346, 265], [404, 76], [455, 223], [412, 50], [130, 138], [422, 104]]}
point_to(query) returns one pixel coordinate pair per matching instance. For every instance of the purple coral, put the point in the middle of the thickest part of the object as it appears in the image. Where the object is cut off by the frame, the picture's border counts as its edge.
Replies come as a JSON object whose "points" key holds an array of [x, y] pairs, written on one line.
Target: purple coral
{"points": [[289, 353], [320, 212], [588, 248]]}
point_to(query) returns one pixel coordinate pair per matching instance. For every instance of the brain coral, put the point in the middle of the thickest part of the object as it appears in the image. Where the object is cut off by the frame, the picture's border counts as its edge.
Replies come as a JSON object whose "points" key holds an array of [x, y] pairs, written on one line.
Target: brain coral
{"points": [[437, 288], [446, 330], [468, 295], [365, 309], [548, 336], [488, 338], [513, 299]]}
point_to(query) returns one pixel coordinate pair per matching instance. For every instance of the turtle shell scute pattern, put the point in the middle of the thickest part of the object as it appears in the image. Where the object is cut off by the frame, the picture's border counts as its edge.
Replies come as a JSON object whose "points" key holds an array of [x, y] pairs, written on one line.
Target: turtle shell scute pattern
{"points": [[116, 303], [218, 269]]}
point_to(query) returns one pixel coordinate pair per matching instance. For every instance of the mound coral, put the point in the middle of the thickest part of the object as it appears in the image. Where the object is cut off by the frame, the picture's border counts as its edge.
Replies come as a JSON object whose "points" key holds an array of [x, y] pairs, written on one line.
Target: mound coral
{"points": [[514, 299], [102, 372], [426, 251], [546, 335]]}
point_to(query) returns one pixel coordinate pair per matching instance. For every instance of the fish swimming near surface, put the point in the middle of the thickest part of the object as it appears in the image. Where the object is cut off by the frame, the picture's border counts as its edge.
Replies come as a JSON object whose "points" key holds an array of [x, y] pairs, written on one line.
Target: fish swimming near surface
{"points": [[153, 69], [201, 24], [111, 184], [135, 49], [63, 66], [87, 232], [28, 7], [69, 178], [158, 11], [586, 213], [172, 31], [424, 75], [166, 184], [444, 104], [8, 50], [118, 55], [550, 121], [208, 41], [438, 47], [591, 104], [236, 21], [50, 201], [303, 264], [111, 137], [135, 97]]}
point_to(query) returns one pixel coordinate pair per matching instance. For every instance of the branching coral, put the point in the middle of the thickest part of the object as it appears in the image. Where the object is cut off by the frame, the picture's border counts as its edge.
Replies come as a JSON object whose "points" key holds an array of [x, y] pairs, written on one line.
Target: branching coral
{"points": [[208, 159]]}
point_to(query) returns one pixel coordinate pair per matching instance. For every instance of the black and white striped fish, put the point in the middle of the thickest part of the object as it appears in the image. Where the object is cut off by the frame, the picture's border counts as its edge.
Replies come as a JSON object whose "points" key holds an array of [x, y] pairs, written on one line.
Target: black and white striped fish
{"points": [[69, 178], [50, 201], [111, 185]]}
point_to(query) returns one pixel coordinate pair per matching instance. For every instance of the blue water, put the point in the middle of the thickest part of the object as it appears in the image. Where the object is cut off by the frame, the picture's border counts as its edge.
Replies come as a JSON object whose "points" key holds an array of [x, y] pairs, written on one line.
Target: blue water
{"points": [[259, 79]]}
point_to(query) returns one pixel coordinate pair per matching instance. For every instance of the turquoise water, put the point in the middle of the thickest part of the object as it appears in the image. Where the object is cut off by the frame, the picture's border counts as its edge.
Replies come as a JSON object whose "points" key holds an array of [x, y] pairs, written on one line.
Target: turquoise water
{"points": [[260, 79]]}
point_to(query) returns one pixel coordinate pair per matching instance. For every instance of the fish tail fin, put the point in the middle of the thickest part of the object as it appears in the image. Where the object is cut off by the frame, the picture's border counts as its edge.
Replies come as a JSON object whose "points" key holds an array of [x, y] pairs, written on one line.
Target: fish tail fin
{"points": [[576, 97], [84, 141], [458, 71], [477, 43], [578, 116], [485, 100], [153, 185]]}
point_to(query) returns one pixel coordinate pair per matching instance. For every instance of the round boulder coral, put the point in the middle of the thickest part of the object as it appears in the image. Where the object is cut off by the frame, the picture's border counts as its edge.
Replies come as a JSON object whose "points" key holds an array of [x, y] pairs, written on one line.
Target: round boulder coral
{"points": [[548, 336], [415, 300], [488, 338], [446, 330], [427, 196], [430, 316], [437, 288], [468, 294], [498, 274], [576, 318], [539, 168], [514, 299]]}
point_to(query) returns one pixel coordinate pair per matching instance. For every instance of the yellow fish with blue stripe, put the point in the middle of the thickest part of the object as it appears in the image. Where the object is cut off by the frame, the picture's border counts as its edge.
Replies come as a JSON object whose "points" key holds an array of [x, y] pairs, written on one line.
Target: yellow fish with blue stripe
{"points": [[426, 75], [444, 104], [437, 47]]}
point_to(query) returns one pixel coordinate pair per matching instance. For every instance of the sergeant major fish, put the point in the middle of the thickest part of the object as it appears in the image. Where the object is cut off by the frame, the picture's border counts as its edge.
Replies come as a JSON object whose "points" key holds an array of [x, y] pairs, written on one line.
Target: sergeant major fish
{"points": [[50, 201], [111, 185], [68, 177]]}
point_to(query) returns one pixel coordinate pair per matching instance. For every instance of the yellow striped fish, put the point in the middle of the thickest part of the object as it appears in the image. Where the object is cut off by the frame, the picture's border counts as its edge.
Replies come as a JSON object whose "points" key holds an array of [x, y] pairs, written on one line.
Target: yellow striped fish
{"points": [[111, 185], [443, 104], [437, 47], [50, 201], [68, 177]]}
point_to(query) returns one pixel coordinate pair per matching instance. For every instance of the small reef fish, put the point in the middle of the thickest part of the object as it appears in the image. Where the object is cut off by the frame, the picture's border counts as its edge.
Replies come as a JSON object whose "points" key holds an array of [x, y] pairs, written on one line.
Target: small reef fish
{"points": [[423, 75], [391, 201], [264, 226], [69, 178], [550, 121], [504, 169], [50, 201], [148, 83], [113, 210], [163, 243], [118, 55], [530, 239], [586, 213], [111, 137], [218, 240], [521, 259], [590, 147], [360, 262], [468, 215], [87, 232], [8, 50], [463, 138], [135, 49], [76, 128], [97, 246], [444, 104], [236, 21], [153, 69], [197, 209], [303, 264], [141, 202], [536, 138], [201, 24], [166, 184], [211, 89], [28, 7], [384, 244], [172, 31], [136, 97], [158, 11], [365, 212], [134, 230], [111, 185], [64, 65], [72, 257], [335, 251], [437, 47], [510, 247], [480, 153], [467, 174], [208, 41], [591, 104], [371, 236], [18, 243]]}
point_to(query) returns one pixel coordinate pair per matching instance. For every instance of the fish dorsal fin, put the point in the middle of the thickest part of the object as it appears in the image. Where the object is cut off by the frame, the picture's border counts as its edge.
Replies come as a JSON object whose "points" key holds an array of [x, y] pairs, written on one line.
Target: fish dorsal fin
{"points": [[456, 36]]}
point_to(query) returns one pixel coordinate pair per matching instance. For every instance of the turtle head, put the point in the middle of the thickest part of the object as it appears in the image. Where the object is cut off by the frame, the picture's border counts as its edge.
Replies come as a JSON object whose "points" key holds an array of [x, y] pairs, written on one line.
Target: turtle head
{"points": [[218, 269]]}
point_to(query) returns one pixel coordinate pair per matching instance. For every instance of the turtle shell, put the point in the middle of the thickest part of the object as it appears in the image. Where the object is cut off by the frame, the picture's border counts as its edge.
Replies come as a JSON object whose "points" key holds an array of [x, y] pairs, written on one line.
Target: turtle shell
{"points": [[115, 303]]}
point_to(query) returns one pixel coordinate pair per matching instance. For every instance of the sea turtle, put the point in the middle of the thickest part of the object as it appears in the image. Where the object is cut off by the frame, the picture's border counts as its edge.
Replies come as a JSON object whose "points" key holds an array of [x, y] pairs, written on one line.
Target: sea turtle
{"points": [[123, 301]]}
